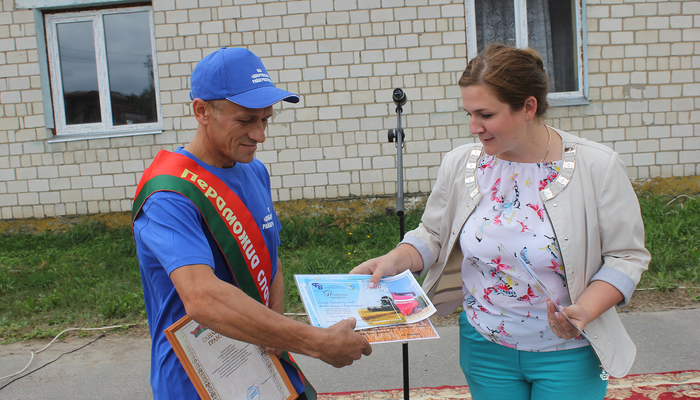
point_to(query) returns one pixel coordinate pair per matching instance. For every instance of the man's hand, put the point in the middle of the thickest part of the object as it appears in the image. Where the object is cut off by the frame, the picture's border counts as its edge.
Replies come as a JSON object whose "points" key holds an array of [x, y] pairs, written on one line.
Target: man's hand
{"points": [[221, 307], [343, 345], [272, 350]]}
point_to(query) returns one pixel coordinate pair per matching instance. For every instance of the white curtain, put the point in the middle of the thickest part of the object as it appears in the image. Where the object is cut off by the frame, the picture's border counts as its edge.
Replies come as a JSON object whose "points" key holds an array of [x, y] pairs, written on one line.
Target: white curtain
{"points": [[495, 24], [539, 35]]}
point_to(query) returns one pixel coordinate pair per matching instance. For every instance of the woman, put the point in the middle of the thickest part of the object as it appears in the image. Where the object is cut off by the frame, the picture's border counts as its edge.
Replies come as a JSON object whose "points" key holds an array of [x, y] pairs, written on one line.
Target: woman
{"points": [[527, 198]]}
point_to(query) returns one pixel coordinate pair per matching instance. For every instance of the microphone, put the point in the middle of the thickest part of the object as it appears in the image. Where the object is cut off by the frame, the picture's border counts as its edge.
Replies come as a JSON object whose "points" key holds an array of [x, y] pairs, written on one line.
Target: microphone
{"points": [[399, 97]]}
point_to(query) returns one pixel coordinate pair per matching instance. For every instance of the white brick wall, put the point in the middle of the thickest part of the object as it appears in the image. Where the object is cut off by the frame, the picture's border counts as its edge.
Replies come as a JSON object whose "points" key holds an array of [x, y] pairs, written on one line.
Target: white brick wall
{"points": [[345, 58]]}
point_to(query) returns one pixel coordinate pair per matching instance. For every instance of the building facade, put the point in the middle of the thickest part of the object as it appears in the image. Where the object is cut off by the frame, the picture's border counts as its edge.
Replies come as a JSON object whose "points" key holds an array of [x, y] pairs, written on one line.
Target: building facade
{"points": [[90, 92]]}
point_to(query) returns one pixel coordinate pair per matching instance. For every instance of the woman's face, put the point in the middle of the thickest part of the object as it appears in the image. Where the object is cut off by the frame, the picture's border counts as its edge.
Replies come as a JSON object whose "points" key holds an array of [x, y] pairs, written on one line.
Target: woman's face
{"points": [[503, 133]]}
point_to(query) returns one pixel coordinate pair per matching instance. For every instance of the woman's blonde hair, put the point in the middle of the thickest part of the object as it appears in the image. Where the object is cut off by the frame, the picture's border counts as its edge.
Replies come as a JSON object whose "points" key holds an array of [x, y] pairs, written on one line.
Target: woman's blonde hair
{"points": [[513, 75]]}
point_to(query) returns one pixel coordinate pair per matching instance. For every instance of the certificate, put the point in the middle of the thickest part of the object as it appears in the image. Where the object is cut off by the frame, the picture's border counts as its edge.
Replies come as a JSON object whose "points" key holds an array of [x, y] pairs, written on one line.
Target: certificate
{"points": [[396, 309], [225, 369]]}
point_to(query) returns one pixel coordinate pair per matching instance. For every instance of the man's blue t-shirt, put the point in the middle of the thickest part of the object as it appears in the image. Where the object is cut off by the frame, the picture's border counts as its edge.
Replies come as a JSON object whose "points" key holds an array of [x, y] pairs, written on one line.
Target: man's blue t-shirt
{"points": [[170, 233]]}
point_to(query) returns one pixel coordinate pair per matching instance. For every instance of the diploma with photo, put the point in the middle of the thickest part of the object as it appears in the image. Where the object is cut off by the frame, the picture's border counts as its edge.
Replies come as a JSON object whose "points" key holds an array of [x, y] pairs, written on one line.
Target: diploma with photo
{"points": [[226, 369], [397, 309]]}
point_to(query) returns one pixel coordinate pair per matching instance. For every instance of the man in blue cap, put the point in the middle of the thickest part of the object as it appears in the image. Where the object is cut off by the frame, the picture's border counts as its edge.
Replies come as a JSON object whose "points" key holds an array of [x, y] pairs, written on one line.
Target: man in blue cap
{"points": [[207, 233]]}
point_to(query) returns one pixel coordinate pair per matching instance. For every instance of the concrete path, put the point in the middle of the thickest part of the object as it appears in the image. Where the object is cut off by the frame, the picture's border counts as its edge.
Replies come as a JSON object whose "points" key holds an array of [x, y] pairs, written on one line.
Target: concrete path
{"points": [[118, 368]]}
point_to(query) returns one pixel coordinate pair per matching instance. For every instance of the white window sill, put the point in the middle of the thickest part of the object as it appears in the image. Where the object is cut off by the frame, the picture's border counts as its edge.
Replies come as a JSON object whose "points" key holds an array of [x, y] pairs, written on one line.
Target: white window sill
{"points": [[87, 136], [567, 99], [21, 4]]}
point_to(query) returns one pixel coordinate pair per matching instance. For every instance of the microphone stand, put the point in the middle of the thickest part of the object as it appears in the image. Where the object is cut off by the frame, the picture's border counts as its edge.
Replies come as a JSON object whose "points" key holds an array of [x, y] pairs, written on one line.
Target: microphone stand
{"points": [[399, 136]]}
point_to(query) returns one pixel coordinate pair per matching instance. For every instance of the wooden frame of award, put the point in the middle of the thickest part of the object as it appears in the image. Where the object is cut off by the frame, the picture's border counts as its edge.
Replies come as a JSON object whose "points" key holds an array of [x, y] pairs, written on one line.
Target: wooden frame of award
{"points": [[222, 368]]}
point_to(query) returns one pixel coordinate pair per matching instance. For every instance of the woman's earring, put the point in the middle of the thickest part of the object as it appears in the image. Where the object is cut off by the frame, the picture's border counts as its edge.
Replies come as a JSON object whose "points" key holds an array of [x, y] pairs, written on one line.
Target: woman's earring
{"points": [[529, 120]]}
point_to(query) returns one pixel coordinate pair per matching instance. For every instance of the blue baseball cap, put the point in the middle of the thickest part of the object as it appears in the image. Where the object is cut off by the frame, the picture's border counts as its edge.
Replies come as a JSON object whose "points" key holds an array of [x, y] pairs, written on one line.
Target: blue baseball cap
{"points": [[239, 76]]}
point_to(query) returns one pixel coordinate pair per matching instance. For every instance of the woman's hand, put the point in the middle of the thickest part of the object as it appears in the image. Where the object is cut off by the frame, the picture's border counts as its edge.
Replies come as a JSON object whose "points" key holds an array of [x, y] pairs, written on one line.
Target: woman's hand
{"points": [[377, 267], [394, 262], [598, 297], [561, 326]]}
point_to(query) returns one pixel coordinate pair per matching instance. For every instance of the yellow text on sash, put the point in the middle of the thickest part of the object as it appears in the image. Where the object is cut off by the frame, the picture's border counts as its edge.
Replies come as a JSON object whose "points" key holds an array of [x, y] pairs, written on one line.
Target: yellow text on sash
{"points": [[235, 227]]}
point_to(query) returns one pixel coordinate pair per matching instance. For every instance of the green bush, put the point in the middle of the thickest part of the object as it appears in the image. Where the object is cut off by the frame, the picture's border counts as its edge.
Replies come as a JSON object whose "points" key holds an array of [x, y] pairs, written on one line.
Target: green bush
{"points": [[88, 275]]}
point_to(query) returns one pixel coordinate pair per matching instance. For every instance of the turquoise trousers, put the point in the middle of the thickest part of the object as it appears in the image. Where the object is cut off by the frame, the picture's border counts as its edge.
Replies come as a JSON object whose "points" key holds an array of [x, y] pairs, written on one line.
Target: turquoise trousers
{"points": [[494, 371]]}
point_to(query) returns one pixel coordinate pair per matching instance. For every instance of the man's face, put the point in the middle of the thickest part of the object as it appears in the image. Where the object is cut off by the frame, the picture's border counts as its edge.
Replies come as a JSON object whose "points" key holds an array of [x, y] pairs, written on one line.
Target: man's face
{"points": [[234, 131]]}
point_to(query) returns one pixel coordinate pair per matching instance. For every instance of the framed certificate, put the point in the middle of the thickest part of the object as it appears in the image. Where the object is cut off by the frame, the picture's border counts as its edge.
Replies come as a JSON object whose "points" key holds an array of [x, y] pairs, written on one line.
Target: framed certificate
{"points": [[222, 368]]}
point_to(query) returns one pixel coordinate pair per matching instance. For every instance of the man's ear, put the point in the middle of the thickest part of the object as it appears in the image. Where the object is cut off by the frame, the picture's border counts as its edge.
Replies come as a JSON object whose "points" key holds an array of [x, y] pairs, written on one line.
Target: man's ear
{"points": [[201, 110]]}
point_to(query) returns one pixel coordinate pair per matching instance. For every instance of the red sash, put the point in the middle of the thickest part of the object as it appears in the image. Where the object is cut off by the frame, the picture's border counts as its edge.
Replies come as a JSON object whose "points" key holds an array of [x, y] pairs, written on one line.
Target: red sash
{"points": [[231, 224], [228, 219]]}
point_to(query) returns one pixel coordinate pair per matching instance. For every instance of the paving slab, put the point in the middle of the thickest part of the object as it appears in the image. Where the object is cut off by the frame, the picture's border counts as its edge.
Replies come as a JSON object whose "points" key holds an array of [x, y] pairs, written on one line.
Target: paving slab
{"points": [[118, 367]]}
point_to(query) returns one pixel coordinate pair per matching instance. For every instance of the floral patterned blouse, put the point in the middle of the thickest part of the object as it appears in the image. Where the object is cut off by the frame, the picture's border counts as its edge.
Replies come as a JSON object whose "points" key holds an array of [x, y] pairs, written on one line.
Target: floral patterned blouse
{"points": [[508, 231]]}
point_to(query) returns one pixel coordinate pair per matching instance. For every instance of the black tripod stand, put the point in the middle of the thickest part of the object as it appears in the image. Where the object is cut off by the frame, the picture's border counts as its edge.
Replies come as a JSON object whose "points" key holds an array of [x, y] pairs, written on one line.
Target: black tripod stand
{"points": [[398, 135]]}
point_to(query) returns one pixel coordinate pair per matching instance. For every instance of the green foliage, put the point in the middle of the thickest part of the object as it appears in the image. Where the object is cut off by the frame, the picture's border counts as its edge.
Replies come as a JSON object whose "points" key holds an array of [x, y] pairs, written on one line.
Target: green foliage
{"points": [[672, 231], [123, 306], [88, 276], [85, 276], [326, 245]]}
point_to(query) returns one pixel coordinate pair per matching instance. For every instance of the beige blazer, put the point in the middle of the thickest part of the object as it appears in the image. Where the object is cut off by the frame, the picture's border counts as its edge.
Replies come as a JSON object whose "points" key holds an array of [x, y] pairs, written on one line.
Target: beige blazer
{"points": [[595, 216]]}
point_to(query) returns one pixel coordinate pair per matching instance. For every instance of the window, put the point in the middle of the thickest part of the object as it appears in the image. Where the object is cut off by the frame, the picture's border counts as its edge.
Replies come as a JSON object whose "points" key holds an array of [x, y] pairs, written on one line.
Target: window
{"points": [[552, 27], [103, 75]]}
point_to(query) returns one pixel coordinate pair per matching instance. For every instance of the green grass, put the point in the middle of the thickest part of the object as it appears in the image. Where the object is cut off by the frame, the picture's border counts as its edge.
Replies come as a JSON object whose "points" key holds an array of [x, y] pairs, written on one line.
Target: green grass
{"points": [[88, 275], [673, 239], [325, 245], [85, 276]]}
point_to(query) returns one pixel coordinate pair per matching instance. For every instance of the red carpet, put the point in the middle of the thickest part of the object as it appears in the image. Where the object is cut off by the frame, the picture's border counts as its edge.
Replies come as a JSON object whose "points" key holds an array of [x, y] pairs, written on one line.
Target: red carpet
{"points": [[663, 386]]}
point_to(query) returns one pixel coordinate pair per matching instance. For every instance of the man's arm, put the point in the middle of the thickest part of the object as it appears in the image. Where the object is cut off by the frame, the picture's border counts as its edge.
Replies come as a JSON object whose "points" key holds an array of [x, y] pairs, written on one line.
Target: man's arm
{"points": [[227, 310], [277, 290], [277, 300]]}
